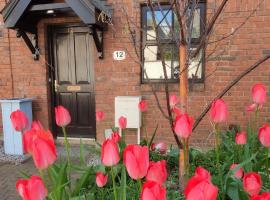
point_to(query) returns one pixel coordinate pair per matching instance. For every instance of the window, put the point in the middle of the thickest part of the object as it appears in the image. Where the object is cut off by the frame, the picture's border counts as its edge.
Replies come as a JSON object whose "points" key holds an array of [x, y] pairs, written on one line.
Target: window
{"points": [[168, 31]]}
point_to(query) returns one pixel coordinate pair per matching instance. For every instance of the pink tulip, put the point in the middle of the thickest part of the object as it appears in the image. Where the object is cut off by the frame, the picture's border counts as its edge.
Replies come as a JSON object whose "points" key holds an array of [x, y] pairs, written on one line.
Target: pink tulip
{"points": [[219, 111], [41, 145], [252, 183], [122, 122], [251, 107], [36, 125], [157, 172], [136, 160], [173, 100], [32, 189], [241, 138], [161, 147], [199, 186], [153, 191], [183, 125], [19, 120], [263, 196], [62, 116], [101, 179], [100, 116], [109, 153], [239, 173], [264, 135], [259, 94], [143, 106], [115, 137]]}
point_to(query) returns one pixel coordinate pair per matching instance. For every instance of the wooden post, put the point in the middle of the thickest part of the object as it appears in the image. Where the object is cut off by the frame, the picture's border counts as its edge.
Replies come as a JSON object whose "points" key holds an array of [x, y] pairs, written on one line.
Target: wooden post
{"points": [[183, 89]]}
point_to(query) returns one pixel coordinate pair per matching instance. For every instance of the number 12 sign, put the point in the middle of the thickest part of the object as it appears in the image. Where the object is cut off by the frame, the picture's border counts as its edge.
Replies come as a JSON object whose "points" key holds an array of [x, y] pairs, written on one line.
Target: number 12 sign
{"points": [[119, 55]]}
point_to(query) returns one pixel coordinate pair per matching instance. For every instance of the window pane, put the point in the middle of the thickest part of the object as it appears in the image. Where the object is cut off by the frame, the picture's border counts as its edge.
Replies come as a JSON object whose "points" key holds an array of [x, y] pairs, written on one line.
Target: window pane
{"points": [[196, 30], [195, 67], [153, 65], [164, 24]]}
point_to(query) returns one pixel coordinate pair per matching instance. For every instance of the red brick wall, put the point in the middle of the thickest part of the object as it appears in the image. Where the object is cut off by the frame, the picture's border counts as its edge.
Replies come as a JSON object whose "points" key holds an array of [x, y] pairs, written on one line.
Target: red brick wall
{"points": [[117, 78]]}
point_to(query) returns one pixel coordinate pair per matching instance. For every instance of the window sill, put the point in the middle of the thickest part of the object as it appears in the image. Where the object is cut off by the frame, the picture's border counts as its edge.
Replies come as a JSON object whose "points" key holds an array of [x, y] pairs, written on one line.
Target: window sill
{"points": [[173, 87]]}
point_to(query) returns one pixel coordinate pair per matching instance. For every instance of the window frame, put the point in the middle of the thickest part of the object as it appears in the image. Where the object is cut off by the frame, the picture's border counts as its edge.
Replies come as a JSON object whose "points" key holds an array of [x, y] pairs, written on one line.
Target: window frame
{"points": [[195, 42]]}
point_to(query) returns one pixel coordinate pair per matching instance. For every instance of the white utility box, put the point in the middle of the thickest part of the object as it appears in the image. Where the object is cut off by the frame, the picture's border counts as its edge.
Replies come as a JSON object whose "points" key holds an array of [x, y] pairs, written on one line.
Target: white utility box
{"points": [[127, 106]]}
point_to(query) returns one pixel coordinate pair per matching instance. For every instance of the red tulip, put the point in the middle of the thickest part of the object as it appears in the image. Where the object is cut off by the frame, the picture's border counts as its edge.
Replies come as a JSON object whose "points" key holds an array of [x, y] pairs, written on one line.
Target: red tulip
{"points": [[62, 116], [153, 191], [161, 147], [183, 125], [264, 135], [32, 189], [101, 179], [115, 137], [36, 125], [173, 100], [136, 159], [199, 186], [239, 173], [219, 111], [100, 116], [122, 122], [176, 111], [251, 107], [241, 138], [19, 120], [259, 93], [252, 183], [157, 172], [263, 196], [143, 105], [153, 146], [109, 153]]}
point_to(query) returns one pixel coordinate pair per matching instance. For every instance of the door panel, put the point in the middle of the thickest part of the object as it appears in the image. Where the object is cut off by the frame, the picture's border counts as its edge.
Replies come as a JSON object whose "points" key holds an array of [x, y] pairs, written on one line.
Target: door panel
{"points": [[74, 78]]}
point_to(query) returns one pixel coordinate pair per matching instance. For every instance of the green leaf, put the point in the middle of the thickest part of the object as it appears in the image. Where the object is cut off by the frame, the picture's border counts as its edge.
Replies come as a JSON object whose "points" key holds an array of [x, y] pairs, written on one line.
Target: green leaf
{"points": [[123, 186], [83, 182], [24, 174]]}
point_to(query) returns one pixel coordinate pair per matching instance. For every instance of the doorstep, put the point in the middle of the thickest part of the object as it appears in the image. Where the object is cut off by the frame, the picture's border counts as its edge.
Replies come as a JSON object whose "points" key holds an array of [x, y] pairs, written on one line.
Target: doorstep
{"points": [[76, 141]]}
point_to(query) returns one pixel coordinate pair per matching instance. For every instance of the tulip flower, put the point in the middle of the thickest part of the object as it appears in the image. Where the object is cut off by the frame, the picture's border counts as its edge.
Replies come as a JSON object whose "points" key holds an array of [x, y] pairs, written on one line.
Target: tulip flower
{"points": [[219, 111], [36, 125], [41, 145], [161, 147], [100, 116], [19, 120], [153, 191], [122, 122], [259, 94], [252, 183], [241, 138], [199, 186], [173, 100], [136, 160], [264, 135], [263, 196], [62, 116], [251, 107], [115, 137], [157, 172], [109, 153], [183, 126], [32, 189], [101, 179], [239, 173], [142, 106]]}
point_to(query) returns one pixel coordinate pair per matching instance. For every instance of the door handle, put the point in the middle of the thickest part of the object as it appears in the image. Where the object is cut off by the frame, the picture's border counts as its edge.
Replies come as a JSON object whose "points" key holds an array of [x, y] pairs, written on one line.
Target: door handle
{"points": [[56, 85]]}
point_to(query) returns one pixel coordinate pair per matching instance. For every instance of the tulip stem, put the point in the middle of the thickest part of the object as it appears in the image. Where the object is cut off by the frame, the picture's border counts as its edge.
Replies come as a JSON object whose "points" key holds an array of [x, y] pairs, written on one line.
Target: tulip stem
{"points": [[114, 187], [42, 175], [67, 146], [186, 158], [268, 162], [217, 137], [140, 185]]}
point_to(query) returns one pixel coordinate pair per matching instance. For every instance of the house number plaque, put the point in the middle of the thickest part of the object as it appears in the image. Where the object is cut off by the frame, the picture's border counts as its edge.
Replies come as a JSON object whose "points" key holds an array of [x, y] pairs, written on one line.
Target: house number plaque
{"points": [[73, 88]]}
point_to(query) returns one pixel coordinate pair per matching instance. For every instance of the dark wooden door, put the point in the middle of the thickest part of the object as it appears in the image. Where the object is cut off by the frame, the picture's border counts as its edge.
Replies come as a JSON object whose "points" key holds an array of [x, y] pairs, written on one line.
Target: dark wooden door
{"points": [[74, 78]]}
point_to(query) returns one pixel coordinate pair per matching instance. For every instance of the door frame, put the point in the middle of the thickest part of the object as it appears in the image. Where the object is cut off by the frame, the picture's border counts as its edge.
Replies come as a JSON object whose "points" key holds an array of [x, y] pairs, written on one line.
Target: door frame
{"points": [[51, 78]]}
